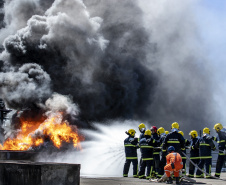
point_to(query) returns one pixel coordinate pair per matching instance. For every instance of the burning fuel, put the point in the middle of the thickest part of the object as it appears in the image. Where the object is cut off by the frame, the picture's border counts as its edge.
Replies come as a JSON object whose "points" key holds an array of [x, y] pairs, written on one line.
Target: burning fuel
{"points": [[33, 134]]}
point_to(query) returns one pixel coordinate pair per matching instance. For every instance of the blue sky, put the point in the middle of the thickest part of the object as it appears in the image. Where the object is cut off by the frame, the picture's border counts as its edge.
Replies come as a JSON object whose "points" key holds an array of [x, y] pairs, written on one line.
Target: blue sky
{"points": [[211, 17]]}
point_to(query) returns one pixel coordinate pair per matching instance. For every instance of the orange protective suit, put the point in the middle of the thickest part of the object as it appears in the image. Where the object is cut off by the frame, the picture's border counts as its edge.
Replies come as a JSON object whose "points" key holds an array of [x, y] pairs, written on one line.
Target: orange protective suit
{"points": [[175, 158]]}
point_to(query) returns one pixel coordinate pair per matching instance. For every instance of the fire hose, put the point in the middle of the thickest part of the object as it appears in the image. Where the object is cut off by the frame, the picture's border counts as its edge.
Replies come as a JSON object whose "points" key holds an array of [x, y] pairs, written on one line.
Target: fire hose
{"points": [[201, 169], [197, 165]]}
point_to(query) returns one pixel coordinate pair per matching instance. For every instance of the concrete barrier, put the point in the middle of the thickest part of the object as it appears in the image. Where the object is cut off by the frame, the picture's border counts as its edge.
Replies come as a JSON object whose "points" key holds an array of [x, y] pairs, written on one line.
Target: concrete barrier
{"points": [[38, 173], [17, 155]]}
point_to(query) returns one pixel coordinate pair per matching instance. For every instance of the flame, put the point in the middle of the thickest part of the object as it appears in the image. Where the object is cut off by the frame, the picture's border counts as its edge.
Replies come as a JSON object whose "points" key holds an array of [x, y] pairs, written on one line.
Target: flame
{"points": [[33, 134]]}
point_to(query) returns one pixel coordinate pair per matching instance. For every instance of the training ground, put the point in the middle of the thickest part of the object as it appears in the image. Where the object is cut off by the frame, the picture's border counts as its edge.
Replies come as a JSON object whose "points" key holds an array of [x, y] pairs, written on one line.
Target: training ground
{"points": [[135, 181]]}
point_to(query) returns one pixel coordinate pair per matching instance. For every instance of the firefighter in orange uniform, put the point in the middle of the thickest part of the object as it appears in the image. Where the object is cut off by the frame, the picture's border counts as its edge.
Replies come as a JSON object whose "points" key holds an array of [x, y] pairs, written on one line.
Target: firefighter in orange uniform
{"points": [[174, 164]]}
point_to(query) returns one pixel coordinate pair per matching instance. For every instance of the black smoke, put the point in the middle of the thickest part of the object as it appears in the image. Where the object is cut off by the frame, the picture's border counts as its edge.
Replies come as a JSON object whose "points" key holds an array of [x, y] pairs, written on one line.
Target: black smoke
{"points": [[101, 67], [108, 57]]}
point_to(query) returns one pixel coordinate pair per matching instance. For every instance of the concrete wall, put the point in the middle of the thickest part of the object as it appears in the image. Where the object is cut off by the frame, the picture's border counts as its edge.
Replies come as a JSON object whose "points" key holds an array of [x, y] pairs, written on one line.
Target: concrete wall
{"points": [[36, 173]]}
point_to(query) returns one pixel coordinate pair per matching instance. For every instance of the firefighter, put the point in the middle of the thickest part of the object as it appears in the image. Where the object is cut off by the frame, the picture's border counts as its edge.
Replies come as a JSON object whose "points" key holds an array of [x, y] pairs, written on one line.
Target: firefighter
{"points": [[166, 132], [146, 146], [142, 129], [174, 164], [161, 133], [157, 151], [221, 140], [187, 143], [174, 139], [205, 145], [131, 145], [194, 152]]}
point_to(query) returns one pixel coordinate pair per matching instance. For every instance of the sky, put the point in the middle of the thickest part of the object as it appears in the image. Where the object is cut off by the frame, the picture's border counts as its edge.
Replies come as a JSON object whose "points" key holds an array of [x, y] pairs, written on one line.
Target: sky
{"points": [[211, 18]]}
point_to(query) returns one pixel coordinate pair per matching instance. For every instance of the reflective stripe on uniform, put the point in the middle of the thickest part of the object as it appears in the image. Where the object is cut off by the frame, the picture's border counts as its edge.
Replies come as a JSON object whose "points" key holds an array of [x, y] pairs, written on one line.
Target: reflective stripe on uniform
{"points": [[173, 141], [156, 153], [221, 154], [151, 170], [204, 144], [147, 159], [131, 157], [130, 145], [146, 147], [222, 141], [198, 176]]}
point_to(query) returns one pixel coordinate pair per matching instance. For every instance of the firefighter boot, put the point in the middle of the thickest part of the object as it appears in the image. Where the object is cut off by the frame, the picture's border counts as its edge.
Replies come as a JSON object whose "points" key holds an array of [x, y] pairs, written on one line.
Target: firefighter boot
{"points": [[177, 180], [170, 181]]}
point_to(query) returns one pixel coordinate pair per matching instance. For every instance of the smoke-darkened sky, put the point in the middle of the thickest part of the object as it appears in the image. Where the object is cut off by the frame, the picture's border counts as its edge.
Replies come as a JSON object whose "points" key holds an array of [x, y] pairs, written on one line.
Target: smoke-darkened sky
{"points": [[143, 60]]}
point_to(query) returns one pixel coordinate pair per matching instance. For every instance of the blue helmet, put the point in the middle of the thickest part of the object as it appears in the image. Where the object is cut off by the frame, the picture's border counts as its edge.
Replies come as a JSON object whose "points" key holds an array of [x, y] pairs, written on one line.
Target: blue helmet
{"points": [[171, 148]]}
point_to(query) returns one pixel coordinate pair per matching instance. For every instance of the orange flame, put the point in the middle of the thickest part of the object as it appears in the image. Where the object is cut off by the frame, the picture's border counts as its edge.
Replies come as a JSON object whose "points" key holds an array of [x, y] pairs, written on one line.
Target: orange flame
{"points": [[33, 134]]}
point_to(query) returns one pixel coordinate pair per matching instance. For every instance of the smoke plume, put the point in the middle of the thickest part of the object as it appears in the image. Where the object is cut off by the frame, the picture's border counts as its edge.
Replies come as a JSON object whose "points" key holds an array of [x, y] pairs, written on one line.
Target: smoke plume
{"points": [[116, 59]]}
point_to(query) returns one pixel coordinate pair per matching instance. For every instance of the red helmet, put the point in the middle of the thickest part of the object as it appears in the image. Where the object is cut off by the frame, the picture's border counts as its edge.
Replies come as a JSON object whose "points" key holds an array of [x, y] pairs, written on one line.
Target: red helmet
{"points": [[154, 128]]}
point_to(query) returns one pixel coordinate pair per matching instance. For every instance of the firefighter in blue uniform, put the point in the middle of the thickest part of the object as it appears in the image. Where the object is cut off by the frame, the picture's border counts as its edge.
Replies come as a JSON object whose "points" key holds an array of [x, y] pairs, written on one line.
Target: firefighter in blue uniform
{"points": [[142, 129], [187, 143], [157, 151], [161, 133], [147, 145], [205, 145], [221, 140], [131, 145], [174, 139], [194, 153]]}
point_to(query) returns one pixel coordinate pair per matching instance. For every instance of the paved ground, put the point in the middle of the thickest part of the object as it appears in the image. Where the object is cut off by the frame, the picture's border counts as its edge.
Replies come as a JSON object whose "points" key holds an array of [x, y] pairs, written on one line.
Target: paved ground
{"points": [[135, 181]]}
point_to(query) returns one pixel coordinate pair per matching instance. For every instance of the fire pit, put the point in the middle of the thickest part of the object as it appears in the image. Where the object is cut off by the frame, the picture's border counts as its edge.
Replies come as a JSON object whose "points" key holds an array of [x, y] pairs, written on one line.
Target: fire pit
{"points": [[17, 155], [37, 173]]}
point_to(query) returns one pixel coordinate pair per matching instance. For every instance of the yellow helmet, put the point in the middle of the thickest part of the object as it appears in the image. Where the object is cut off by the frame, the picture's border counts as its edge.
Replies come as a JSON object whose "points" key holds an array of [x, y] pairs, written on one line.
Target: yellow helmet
{"points": [[206, 130], [147, 133], [131, 132], [175, 125], [218, 127], [141, 126], [166, 132], [193, 134], [182, 133], [160, 130]]}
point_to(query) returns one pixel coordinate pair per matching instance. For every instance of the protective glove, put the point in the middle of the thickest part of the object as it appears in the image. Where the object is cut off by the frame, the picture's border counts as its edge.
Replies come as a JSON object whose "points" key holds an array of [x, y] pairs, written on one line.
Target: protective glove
{"points": [[148, 140], [172, 165]]}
